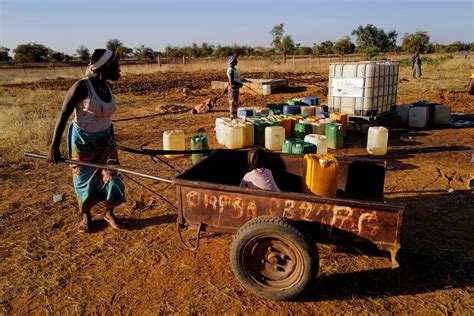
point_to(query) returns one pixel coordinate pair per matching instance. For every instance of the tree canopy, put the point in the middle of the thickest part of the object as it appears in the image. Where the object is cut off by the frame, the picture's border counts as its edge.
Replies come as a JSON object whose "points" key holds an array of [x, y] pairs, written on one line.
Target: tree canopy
{"points": [[419, 41], [283, 44], [31, 53], [372, 40]]}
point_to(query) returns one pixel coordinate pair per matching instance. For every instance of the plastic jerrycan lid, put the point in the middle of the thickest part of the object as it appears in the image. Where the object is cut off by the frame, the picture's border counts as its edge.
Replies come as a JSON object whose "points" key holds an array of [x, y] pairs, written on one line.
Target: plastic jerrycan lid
{"points": [[323, 162]]}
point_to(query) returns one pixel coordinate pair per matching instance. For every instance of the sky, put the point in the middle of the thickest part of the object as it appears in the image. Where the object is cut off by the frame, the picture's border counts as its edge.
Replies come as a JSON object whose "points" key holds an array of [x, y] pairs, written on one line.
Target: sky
{"points": [[64, 25]]}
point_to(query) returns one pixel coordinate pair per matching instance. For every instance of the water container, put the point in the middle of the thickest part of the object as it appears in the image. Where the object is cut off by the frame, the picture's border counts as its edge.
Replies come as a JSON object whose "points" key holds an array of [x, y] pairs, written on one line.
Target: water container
{"points": [[293, 102], [199, 142], [320, 175], [320, 141], [266, 89], [288, 144], [248, 134], [220, 122], [308, 110], [233, 136], [173, 140], [286, 124], [273, 123], [377, 140], [442, 114], [402, 111], [259, 130], [291, 109], [418, 116], [335, 135], [293, 120], [319, 127], [319, 109], [303, 129], [262, 111], [243, 113], [274, 137], [339, 117], [302, 148], [311, 101]]}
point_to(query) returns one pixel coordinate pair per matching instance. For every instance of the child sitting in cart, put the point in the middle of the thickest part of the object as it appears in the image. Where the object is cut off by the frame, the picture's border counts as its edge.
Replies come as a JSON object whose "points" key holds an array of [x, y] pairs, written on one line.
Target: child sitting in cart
{"points": [[260, 177]]}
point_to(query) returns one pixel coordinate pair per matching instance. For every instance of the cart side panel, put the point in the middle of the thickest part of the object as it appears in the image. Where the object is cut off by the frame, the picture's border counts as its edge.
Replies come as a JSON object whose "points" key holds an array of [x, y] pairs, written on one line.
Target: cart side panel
{"points": [[227, 211]]}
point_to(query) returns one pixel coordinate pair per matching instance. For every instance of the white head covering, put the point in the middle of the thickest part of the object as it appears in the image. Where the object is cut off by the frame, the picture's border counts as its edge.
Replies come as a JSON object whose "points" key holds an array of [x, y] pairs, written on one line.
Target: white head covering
{"points": [[107, 58]]}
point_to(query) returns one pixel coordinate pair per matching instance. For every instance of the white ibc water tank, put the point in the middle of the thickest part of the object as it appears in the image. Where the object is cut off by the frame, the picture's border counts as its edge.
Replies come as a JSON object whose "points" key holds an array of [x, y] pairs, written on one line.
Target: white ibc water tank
{"points": [[442, 114], [402, 111], [418, 116], [377, 140], [362, 89]]}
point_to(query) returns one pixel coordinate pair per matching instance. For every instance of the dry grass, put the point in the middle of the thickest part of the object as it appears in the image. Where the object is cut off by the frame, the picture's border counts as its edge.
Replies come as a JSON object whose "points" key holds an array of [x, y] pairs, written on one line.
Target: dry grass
{"points": [[27, 120]]}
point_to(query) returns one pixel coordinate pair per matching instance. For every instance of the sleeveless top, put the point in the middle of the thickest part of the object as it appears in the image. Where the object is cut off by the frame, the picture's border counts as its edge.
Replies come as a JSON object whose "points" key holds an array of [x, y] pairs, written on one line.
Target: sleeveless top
{"points": [[233, 71], [93, 114]]}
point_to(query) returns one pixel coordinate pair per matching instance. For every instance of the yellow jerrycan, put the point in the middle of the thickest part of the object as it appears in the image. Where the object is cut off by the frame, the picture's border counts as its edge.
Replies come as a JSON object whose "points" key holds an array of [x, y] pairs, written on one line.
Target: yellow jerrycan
{"points": [[320, 175]]}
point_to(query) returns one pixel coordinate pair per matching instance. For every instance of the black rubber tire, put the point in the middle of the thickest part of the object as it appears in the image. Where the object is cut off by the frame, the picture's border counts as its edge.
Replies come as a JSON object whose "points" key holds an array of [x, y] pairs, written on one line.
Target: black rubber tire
{"points": [[274, 258]]}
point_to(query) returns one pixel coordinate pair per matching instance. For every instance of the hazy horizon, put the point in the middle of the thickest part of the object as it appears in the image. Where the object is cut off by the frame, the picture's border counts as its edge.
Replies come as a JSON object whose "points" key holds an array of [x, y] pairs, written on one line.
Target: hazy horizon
{"points": [[65, 25]]}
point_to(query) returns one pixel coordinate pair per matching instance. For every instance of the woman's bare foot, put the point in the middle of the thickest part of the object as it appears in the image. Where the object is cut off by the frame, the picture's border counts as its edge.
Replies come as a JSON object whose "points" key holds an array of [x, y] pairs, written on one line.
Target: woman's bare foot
{"points": [[86, 224], [110, 218]]}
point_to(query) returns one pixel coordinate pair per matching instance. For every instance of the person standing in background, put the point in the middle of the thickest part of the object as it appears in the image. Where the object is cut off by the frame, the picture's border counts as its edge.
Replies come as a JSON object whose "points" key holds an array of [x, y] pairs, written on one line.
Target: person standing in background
{"points": [[234, 86], [416, 65]]}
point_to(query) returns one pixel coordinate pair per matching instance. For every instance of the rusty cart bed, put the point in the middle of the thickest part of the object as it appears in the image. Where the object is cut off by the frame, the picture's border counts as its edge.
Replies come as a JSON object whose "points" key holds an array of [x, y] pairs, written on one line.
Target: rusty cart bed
{"points": [[210, 199]]}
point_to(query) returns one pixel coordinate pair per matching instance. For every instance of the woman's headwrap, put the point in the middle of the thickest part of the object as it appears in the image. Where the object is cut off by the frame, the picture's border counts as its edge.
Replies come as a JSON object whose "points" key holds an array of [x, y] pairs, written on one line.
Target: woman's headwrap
{"points": [[106, 59], [232, 58]]}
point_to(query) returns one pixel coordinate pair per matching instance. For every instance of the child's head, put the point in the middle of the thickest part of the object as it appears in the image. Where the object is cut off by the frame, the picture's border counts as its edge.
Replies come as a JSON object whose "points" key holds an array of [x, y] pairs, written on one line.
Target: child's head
{"points": [[256, 158]]}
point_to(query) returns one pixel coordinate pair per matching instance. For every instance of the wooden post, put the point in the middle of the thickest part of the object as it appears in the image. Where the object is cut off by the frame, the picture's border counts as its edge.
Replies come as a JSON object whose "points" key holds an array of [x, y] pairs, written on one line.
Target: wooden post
{"points": [[158, 60], [184, 61]]}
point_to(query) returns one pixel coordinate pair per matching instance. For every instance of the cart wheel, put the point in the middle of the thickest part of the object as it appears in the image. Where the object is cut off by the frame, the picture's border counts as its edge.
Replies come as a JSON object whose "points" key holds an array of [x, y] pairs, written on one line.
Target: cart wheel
{"points": [[274, 258]]}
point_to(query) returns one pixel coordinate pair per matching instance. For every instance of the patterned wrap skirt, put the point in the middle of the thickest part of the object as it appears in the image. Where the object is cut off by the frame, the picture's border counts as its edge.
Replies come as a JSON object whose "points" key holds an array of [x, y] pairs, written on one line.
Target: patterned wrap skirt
{"points": [[95, 185], [233, 96]]}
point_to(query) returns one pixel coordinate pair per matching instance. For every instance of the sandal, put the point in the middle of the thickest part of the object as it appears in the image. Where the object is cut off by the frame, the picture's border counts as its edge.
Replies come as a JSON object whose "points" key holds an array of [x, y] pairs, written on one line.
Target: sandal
{"points": [[84, 228], [114, 222]]}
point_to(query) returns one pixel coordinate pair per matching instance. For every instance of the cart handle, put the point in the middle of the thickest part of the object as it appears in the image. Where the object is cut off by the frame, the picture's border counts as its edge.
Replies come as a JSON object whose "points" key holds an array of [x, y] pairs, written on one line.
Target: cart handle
{"points": [[116, 168]]}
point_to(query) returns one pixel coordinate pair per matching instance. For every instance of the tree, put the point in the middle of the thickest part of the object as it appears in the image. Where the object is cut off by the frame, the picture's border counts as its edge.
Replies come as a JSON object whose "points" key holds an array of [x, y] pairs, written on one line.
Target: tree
{"points": [[372, 40], [31, 52], [419, 41], [458, 46], [4, 56], [324, 48], [117, 47], [83, 53], [344, 46], [282, 44], [143, 52]]}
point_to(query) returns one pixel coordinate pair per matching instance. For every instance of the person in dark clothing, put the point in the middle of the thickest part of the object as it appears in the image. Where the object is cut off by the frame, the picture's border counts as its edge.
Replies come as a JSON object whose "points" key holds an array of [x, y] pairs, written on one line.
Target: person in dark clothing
{"points": [[416, 65]]}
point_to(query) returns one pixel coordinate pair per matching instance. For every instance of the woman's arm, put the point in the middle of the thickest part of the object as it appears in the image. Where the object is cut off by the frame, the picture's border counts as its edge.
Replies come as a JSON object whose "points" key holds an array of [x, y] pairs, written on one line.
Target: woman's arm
{"points": [[76, 93]]}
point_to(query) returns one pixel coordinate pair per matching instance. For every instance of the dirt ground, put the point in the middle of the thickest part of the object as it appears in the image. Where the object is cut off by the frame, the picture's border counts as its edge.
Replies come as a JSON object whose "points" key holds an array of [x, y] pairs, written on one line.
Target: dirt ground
{"points": [[46, 266]]}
